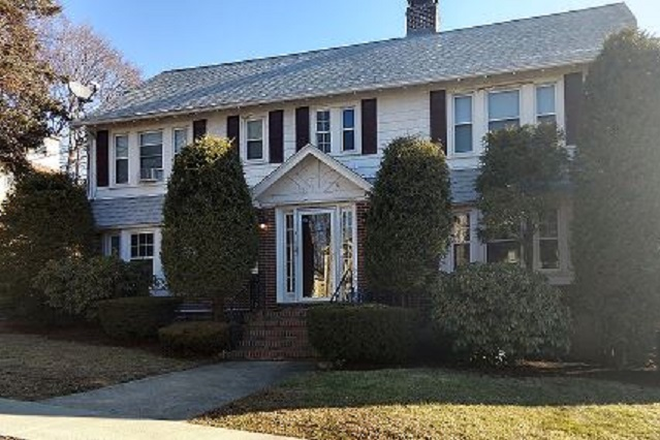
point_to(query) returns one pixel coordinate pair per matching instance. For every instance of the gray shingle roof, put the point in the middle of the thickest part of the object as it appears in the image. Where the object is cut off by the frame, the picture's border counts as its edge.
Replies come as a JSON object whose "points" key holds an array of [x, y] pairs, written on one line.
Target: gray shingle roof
{"points": [[148, 210], [534, 43], [128, 211]]}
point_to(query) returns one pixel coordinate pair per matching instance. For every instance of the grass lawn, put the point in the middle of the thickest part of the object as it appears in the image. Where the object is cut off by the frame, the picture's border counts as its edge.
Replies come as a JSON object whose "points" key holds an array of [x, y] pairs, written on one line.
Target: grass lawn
{"points": [[34, 367], [445, 404]]}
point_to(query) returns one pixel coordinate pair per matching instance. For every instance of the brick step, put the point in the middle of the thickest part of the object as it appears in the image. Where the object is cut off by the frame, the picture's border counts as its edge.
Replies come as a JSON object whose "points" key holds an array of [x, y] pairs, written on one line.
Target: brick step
{"points": [[275, 334]]}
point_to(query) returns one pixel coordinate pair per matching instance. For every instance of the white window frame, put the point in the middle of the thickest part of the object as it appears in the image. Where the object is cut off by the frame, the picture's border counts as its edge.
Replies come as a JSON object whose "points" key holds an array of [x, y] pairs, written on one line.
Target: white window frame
{"points": [[107, 244], [176, 130], [151, 258], [561, 239], [115, 158], [162, 155], [496, 91], [454, 124], [345, 130], [264, 139], [538, 115], [329, 132], [470, 242]]}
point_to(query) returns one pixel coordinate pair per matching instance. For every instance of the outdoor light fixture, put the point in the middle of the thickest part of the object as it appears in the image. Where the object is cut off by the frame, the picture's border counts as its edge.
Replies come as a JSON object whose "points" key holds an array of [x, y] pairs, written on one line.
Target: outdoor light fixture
{"points": [[263, 226]]}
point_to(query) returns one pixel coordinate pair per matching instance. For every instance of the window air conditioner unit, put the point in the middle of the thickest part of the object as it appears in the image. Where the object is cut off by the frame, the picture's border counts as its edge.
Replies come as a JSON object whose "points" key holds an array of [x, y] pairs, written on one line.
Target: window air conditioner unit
{"points": [[151, 174]]}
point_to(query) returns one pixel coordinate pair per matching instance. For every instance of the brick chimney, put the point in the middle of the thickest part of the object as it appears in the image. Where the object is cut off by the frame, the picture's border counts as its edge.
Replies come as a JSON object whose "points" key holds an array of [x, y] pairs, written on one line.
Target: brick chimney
{"points": [[422, 17]]}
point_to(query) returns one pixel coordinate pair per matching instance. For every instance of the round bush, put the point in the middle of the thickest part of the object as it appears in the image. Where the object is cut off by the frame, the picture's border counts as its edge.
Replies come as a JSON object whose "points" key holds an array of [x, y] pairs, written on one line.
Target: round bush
{"points": [[195, 338], [74, 286], [498, 313], [361, 333], [136, 318]]}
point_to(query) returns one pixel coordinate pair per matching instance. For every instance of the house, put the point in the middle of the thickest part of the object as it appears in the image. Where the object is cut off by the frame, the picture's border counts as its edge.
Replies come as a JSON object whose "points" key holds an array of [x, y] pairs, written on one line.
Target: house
{"points": [[46, 157], [311, 129]]}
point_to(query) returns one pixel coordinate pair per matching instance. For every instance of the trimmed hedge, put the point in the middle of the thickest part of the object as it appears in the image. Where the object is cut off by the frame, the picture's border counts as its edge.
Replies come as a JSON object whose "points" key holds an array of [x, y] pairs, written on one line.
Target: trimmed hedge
{"points": [[195, 338], [74, 286], [136, 318], [362, 333]]}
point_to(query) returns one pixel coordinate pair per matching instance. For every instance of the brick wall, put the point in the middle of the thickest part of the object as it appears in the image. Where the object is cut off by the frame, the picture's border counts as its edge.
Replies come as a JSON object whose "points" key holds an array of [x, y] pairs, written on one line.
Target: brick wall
{"points": [[267, 259], [361, 214]]}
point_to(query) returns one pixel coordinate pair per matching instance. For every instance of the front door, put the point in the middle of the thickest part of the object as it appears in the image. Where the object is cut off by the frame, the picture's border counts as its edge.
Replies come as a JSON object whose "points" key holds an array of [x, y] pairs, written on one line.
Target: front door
{"points": [[316, 253]]}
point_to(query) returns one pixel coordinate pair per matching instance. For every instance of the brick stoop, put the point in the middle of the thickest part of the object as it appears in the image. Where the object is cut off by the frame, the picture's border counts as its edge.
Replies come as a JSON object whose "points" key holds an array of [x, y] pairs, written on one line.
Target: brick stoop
{"points": [[278, 334]]}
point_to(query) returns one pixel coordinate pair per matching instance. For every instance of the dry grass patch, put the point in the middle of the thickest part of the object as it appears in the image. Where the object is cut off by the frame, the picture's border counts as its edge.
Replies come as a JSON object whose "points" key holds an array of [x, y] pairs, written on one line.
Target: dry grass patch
{"points": [[34, 367], [439, 404]]}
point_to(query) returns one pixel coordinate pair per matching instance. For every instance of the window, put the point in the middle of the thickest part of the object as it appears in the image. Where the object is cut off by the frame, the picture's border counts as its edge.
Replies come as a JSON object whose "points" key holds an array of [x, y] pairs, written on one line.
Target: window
{"points": [[503, 110], [348, 129], [548, 236], [347, 253], [255, 139], [151, 155], [290, 250], [504, 250], [180, 139], [546, 112], [463, 124], [113, 245], [323, 136], [142, 252], [461, 240], [121, 159]]}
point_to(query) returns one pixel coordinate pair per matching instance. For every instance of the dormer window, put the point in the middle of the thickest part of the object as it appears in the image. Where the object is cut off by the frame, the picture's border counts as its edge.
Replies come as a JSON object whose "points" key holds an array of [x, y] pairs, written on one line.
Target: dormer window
{"points": [[503, 110]]}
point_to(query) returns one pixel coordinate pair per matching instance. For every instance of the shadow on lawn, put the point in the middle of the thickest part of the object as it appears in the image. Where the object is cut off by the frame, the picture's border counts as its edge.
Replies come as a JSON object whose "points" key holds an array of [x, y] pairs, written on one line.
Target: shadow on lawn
{"points": [[351, 389]]}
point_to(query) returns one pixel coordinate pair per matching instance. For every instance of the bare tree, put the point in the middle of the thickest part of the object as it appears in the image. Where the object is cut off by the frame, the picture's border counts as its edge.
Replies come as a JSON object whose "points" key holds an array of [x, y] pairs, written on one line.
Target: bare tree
{"points": [[77, 53]]}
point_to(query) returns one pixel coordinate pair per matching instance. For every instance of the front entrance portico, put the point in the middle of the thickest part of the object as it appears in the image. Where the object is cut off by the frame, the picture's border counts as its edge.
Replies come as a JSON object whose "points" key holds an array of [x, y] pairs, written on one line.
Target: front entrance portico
{"points": [[313, 198]]}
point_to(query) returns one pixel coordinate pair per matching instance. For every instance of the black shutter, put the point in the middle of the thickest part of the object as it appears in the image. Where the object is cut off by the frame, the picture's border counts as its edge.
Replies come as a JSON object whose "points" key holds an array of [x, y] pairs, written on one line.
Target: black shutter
{"points": [[234, 130], [302, 127], [439, 118], [369, 126], [276, 136], [102, 150], [199, 129], [573, 97]]}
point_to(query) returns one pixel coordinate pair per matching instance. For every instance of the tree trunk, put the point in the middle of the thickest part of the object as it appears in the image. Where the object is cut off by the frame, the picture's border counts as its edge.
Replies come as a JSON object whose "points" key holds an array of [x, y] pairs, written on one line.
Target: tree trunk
{"points": [[219, 309]]}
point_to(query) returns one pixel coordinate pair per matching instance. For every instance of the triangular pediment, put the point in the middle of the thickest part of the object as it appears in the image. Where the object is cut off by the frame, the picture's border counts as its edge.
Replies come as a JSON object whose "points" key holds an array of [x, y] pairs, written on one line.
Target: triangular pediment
{"points": [[310, 176]]}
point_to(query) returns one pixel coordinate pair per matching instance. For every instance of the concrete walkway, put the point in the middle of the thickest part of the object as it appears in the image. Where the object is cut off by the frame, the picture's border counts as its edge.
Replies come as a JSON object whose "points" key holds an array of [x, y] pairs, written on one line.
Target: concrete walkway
{"points": [[151, 408], [35, 421], [181, 395]]}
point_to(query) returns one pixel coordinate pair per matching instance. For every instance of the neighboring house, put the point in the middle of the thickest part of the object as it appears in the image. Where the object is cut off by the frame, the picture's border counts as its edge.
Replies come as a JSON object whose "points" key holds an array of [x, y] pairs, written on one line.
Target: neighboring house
{"points": [[46, 157], [311, 129]]}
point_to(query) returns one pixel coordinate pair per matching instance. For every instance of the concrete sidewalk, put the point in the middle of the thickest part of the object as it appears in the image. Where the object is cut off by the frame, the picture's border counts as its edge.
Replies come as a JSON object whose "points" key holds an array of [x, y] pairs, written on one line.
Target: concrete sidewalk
{"points": [[152, 408], [181, 395], [35, 421]]}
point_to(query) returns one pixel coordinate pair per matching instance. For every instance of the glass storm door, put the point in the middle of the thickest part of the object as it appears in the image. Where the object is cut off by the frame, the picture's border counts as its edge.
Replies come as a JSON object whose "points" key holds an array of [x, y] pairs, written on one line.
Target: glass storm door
{"points": [[317, 251], [317, 256]]}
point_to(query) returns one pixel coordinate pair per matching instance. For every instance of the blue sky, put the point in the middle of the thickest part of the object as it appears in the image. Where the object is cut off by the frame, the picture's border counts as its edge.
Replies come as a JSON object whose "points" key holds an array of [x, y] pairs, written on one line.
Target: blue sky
{"points": [[164, 34]]}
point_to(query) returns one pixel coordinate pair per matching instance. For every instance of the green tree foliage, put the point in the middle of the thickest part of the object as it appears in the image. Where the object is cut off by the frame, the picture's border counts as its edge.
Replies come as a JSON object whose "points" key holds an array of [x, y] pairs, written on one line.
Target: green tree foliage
{"points": [[73, 286], [521, 170], [210, 233], [409, 218], [499, 313], [25, 81], [616, 233], [47, 217]]}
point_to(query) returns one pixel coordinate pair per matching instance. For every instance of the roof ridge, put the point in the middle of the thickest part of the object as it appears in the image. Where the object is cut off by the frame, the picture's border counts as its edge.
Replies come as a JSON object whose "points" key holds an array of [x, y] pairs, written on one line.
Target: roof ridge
{"points": [[387, 40]]}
